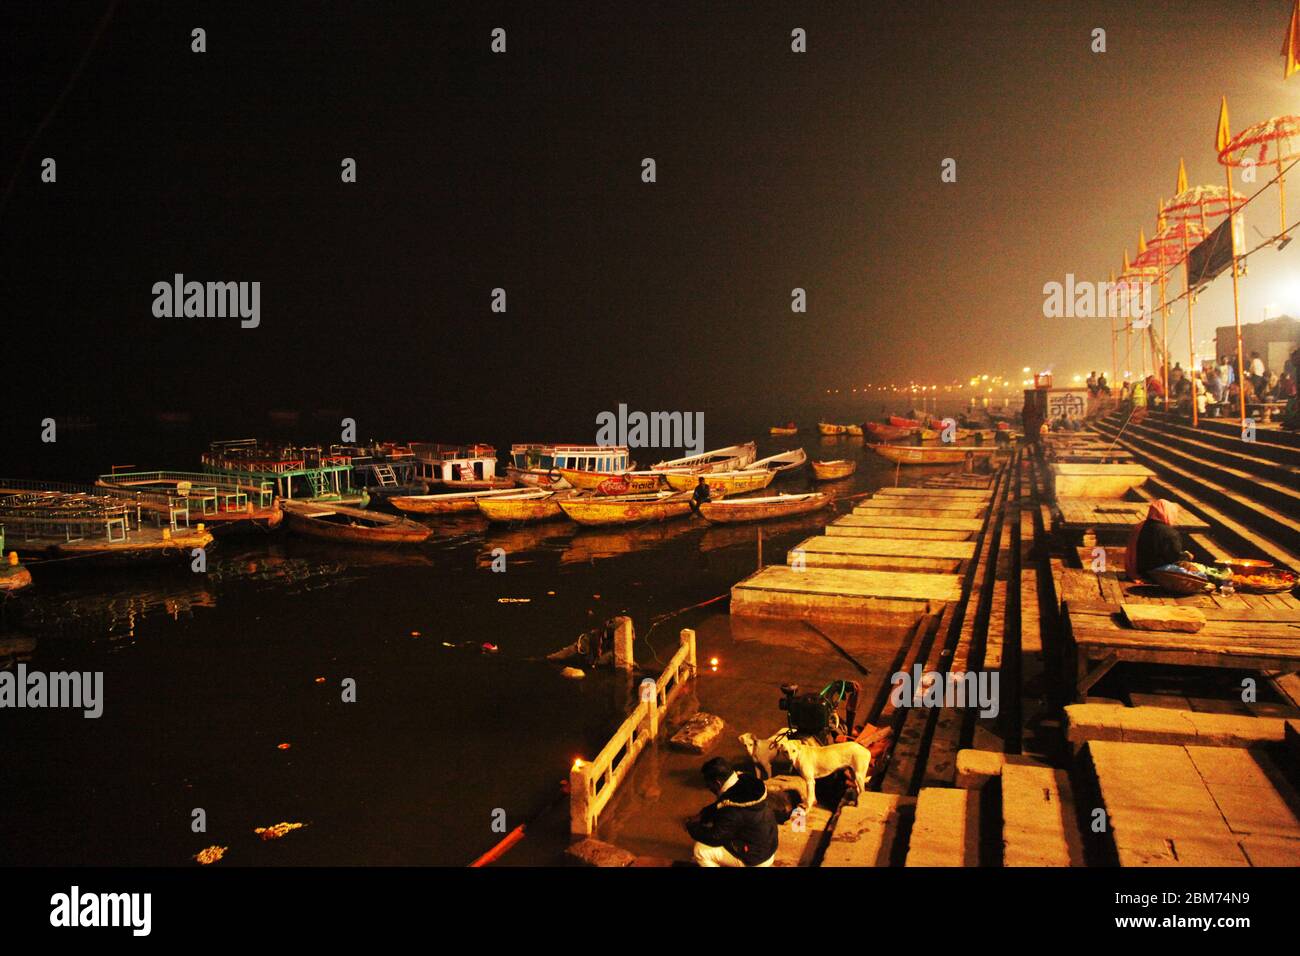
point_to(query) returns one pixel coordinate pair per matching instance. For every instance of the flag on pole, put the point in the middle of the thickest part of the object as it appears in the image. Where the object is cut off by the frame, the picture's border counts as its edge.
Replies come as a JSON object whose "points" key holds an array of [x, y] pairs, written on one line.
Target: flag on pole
{"points": [[1224, 135], [1142, 242], [1182, 179], [1291, 45]]}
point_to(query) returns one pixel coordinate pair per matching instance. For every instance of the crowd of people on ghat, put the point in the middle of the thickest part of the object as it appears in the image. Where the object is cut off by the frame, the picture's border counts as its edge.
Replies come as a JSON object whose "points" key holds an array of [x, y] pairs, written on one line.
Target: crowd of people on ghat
{"points": [[1216, 389]]}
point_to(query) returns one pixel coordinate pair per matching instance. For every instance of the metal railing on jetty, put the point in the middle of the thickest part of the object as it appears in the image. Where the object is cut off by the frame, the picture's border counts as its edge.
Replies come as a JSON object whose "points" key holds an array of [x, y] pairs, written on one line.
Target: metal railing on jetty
{"points": [[232, 491], [592, 783]]}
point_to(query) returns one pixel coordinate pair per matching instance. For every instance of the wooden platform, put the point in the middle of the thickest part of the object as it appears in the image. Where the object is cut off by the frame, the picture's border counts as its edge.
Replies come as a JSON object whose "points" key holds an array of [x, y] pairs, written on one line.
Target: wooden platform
{"points": [[1111, 514], [1097, 481], [841, 595], [842, 551], [903, 524], [920, 508], [963, 493]]}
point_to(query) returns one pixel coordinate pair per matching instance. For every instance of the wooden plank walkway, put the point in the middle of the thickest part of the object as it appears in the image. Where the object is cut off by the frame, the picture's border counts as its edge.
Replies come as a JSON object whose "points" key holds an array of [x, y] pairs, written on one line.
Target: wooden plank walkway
{"points": [[841, 595], [1111, 514], [968, 525], [841, 551]]}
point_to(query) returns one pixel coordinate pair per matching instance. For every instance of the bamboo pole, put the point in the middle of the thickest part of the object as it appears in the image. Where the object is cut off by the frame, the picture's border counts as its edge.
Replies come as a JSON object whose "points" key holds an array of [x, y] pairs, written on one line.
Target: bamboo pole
{"points": [[1191, 337], [1164, 336], [1236, 300]]}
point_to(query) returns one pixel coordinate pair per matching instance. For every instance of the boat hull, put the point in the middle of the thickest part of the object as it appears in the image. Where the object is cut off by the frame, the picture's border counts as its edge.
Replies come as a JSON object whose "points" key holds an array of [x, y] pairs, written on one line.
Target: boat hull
{"points": [[594, 512], [731, 458], [614, 483], [831, 470], [456, 503], [930, 455], [521, 510], [782, 431], [363, 527], [755, 509], [722, 483]]}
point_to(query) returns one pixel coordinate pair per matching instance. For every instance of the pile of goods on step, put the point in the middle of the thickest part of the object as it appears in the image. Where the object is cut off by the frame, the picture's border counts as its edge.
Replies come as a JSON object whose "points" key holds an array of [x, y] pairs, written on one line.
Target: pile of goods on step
{"points": [[1250, 577], [1189, 577]]}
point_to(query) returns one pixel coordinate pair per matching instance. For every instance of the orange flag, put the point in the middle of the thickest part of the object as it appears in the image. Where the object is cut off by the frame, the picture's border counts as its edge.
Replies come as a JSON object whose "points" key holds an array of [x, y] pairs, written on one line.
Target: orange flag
{"points": [[1182, 179], [1291, 45], [1224, 135], [1142, 242]]}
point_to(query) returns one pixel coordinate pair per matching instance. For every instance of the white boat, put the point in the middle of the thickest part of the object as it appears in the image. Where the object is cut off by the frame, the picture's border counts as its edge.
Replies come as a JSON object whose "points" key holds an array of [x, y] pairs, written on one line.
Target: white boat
{"points": [[731, 458], [785, 461], [539, 465], [459, 467]]}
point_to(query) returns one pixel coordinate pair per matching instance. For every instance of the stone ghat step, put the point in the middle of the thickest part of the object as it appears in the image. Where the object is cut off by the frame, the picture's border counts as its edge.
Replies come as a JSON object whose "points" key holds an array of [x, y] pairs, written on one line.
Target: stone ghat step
{"points": [[963, 493], [1273, 534], [842, 551], [1275, 486], [1039, 827], [1171, 805], [867, 834], [1275, 444], [841, 595], [945, 831], [1233, 452]]}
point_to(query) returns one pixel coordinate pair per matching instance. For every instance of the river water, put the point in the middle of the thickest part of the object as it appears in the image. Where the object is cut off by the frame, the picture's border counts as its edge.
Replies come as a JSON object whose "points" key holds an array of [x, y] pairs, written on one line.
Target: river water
{"points": [[207, 678]]}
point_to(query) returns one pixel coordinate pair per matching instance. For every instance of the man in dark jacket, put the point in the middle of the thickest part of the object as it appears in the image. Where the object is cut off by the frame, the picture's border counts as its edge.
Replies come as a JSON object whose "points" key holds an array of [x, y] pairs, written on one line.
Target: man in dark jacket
{"points": [[702, 495], [739, 828]]}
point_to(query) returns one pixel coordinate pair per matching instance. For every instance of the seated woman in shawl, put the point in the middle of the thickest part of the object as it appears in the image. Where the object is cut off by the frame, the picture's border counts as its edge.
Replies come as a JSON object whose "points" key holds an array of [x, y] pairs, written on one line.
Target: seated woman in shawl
{"points": [[1155, 542]]}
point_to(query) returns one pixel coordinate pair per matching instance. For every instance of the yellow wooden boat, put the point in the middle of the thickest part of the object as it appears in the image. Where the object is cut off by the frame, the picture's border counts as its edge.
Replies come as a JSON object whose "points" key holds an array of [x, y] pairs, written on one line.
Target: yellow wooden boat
{"points": [[791, 429], [722, 483], [830, 470], [456, 502], [614, 482], [931, 454], [627, 509], [738, 510], [528, 506], [832, 430]]}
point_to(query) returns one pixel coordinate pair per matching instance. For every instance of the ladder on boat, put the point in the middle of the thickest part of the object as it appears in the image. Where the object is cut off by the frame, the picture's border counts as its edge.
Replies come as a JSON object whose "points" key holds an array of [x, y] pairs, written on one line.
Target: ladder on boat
{"points": [[387, 477], [319, 482]]}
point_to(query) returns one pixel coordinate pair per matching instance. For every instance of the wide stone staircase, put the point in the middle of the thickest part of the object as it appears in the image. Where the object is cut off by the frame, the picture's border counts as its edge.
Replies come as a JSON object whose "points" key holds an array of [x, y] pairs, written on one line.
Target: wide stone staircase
{"points": [[1249, 489]]}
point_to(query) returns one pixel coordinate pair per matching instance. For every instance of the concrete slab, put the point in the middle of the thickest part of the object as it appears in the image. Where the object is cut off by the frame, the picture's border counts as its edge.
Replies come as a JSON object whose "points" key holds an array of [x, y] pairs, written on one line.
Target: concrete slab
{"points": [[864, 835], [945, 831]]}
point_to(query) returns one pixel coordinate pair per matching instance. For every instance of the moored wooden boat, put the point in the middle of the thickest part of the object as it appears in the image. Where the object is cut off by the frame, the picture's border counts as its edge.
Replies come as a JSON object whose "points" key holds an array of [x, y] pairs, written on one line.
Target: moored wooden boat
{"points": [[351, 525], [722, 482], [886, 432], [538, 465], [830, 470], [900, 422], [731, 458], [628, 509], [737, 510], [931, 454], [832, 430], [789, 428], [526, 506], [786, 461], [614, 483], [453, 503]]}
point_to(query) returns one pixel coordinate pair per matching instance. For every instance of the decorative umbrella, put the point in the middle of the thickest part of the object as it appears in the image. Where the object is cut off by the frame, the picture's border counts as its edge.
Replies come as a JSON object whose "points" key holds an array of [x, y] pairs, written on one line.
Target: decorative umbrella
{"points": [[1199, 202], [1168, 247], [1270, 143]]}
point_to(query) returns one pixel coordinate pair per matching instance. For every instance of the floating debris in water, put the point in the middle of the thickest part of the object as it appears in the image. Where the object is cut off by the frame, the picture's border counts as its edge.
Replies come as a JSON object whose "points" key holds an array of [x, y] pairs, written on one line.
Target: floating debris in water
{"points": [[320, 680], [211, 855], [514, 600], [551, 593], [490, 648], [277, 831], [283, 746], [415, 634], [573, 673]]}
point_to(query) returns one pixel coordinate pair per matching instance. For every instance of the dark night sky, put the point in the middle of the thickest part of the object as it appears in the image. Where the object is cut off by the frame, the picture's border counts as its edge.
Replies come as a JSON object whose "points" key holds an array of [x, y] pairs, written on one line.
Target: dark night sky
{"points": [[476, 170]]}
